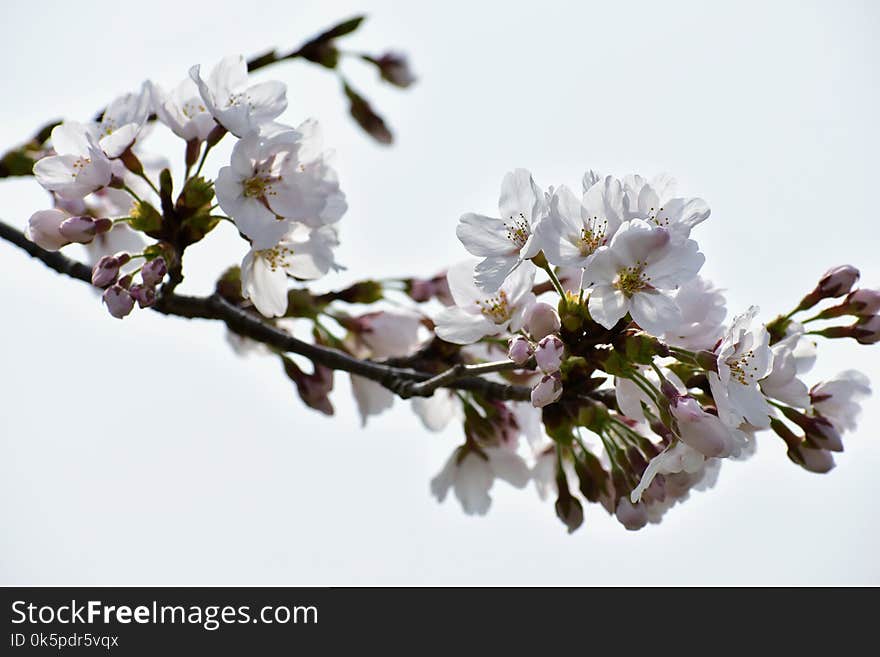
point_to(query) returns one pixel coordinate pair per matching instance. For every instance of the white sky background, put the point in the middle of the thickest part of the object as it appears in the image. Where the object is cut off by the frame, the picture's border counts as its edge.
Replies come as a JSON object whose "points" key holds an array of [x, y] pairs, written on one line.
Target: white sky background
{"points": [[146, 452]]}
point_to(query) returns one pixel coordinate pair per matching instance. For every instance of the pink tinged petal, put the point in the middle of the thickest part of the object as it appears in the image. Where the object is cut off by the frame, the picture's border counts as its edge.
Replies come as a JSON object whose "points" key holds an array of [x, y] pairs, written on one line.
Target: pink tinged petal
{"points": [[116, 143], [520, 195], [484, 236], [490, 274], [607, 305], [655, 312], [371, 397], [630, 397], [702, 431], [459, 327], [43, 229], [264, 285]]}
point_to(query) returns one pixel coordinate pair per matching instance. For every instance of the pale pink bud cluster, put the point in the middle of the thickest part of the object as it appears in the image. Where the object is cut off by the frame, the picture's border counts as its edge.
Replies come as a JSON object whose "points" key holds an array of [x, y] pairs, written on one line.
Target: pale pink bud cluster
{"points": [[547, 391], [120, 294], [549, 353]]}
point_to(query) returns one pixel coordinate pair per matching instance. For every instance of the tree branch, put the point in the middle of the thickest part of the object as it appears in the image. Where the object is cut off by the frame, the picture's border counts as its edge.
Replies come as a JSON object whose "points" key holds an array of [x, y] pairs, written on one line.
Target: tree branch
{"points": [[247, 324]]}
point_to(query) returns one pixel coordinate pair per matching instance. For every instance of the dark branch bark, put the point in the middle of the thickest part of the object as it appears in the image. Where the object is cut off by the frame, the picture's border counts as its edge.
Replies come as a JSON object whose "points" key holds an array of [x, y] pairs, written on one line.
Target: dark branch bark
{"points": [[247, 324]]}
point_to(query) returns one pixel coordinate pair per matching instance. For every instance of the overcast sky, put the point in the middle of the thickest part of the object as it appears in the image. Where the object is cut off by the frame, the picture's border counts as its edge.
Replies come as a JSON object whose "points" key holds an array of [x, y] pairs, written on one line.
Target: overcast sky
{"points": [[146, 452]]}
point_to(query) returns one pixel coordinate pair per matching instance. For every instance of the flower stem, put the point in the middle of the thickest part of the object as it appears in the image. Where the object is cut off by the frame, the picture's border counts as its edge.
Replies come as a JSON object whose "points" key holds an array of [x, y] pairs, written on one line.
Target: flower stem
{"points": [[553, 279]]}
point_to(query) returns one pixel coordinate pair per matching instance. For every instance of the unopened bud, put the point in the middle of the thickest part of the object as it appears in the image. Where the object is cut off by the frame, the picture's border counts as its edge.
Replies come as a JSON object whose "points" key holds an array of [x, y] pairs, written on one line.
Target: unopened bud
{"points": [[542, 320], [837, 281], [394, 68], [867, 330], [153, 272], [119, 302], [519, 350], [83, 229], [819, 461], [548, 354], [864, 302], [105, 271], [547, 391], [145, 296]]}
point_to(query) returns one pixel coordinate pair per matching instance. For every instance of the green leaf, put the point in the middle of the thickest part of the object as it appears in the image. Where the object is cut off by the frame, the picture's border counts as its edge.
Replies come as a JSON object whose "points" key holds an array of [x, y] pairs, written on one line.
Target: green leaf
{"points": [[343, 28], [145, 218], [360, 110]]}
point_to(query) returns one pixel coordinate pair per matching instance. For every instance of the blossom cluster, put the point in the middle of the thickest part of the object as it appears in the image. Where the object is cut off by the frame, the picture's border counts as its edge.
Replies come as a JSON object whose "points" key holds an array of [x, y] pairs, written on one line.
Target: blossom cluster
{"points": [[637, 354], [279, 188]]}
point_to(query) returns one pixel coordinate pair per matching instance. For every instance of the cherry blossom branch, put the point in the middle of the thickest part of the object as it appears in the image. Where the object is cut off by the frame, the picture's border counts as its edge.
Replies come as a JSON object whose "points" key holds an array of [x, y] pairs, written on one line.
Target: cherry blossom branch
{"points": [[455, 373], [244, 323]]}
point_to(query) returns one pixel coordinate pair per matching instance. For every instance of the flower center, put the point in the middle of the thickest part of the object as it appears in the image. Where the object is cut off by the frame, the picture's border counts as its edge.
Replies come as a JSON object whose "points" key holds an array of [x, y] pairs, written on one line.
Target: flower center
{"points": [[276, 256], [632, 279], [657, 218], [518, 230], [192, 108], [592, 236], [79, 165], [255, 187], [240, 99], [740, 366], [496, 308]]}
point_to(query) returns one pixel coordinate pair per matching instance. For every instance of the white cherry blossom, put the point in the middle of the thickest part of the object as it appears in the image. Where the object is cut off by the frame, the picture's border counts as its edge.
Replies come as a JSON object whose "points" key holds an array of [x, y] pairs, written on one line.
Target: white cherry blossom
{"points": [[636, 274], [575, 229], [506, 242], [79, 166], [272, 181], [703, 309], [792, 356], [237, 105], [183, 110], [476, 313], [122, 121], [838, 400], [743, 358], [472, 475], [305, 253], [654, 201]]}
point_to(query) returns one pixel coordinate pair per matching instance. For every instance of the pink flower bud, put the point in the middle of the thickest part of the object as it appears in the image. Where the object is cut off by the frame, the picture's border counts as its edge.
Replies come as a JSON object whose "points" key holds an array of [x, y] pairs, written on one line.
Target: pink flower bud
{"points": [[105, 271], [632, 516], [154, 271], [548, 354], [394, 68], [819, 461], [44, 229], [119, 301], [542, 320], [837, 281], [83, 229], [867, 330], [519, 350], [699, 429], [547, 391], [145, 296], [864, 302]]}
